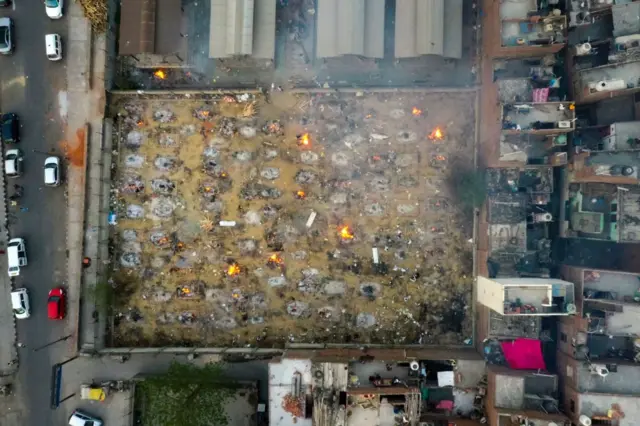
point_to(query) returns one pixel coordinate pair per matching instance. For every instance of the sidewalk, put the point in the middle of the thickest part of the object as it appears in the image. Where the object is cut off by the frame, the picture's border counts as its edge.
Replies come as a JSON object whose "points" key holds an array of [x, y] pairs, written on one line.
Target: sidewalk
{"points": [[85, 68], [8, 350]]}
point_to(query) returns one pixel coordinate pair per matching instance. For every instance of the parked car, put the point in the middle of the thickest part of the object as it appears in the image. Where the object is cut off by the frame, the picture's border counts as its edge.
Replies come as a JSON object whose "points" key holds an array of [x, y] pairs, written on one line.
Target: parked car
{"points": [[55, 304], [16, 256], [5, 3], [53, 47], [52, 171], [13, 163], [20, 303], [10, 128], [53, 8], [80, 418], [6, 36]]}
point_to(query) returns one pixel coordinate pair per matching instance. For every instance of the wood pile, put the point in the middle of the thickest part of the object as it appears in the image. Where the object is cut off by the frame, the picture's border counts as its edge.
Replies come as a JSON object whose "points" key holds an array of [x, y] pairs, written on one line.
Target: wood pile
{"points": [[96, 12]]}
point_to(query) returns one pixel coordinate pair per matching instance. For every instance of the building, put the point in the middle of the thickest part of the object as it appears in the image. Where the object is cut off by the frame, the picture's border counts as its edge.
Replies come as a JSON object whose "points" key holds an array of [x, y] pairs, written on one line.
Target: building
{"points": [[242, 27], [604, 53], [357, 27], [306, 392], [517, 397], [540, 118], [525, 30], [150, 27], [527, 296], [602, 212], [598, 349]]}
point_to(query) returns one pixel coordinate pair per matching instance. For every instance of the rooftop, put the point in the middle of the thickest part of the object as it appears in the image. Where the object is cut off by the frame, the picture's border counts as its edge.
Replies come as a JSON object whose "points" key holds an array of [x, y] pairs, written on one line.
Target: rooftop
{"points": [[526, 296], [625, 380], [511, 326], [609, 347], [549, 116], [626, 19], [593, 404], [593, 212], [607, 78], [290, 386], [614, 287], [620, 320], [519, 28], [531, 148], [534, 391]]}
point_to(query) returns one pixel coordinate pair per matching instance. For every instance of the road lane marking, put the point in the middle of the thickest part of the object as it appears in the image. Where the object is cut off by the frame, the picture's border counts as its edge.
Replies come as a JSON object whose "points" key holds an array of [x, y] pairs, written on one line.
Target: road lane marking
{"points": [[13, 5]]}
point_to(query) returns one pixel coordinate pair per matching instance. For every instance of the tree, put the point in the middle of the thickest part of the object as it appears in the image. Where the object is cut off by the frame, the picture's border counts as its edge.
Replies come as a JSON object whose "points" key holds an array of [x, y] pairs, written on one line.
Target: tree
{"points": [[469, 187], [186, 395]]}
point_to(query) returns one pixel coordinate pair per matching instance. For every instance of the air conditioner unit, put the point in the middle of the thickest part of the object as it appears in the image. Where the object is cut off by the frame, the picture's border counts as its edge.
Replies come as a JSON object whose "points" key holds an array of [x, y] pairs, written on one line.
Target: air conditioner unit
{"points": [[542, 217], [565, 124]]}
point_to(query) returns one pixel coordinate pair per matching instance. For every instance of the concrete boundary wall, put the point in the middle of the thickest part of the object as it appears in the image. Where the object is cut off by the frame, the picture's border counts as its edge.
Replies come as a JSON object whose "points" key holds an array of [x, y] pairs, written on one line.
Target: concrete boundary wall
{"points": [[311, 91]]}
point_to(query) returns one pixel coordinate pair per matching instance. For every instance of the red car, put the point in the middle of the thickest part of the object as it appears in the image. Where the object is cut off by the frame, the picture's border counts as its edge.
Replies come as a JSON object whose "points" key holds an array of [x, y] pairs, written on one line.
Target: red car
{"points": [[55, 304]]}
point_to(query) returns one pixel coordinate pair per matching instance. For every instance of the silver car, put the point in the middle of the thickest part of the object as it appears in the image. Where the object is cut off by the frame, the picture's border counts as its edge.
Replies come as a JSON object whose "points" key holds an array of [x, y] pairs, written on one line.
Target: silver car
{"points": [[6, 36]]}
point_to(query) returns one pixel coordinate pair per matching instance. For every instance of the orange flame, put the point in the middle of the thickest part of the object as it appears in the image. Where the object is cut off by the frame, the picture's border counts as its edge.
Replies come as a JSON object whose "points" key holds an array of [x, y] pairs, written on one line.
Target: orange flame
{"points": [[440, 157], [186, 290], [300, 194], [140, 123], [436, 134], [160, 74], [345, 233], [304, 139], [275, 260], [417, 112], [234, 269]]}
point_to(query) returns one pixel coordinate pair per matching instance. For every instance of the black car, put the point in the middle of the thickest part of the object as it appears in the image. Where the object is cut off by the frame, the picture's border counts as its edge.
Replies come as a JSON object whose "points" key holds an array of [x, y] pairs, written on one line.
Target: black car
{"points": [[10, 128], [5, 3]]}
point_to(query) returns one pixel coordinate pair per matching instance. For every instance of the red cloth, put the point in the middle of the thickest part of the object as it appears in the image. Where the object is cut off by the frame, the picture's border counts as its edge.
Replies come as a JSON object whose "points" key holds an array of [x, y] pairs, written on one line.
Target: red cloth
{"points": [[541, 95], [524, 354]]}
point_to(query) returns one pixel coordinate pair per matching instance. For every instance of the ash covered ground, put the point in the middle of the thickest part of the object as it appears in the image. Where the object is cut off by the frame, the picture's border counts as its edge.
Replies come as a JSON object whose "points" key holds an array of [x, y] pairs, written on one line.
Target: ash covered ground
{"points": [[313, 183]]}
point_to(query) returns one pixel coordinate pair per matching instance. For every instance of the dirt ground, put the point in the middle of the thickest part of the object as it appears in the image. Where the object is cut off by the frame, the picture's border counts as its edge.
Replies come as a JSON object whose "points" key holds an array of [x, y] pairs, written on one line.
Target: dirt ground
{"points": [[310, 184]]}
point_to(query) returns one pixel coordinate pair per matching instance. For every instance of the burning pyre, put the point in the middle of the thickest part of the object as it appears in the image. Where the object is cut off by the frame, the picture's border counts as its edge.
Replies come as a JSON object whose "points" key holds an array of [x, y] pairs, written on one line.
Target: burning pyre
{"points": [[233, 270], [160, 74], [304, 139], [346, 234], [417, 112], [436, 134], [275, 261]]}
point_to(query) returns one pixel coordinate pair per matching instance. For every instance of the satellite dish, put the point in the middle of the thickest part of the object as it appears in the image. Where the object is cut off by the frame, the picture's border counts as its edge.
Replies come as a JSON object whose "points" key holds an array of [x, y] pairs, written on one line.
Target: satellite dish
{"points": [[414, 366], [584, 420]]}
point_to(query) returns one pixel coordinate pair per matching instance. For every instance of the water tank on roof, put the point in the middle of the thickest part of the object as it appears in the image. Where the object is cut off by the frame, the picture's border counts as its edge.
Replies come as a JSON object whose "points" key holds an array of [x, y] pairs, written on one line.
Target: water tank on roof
{"points": [[584, 420], [583, 49], [608, 85]]}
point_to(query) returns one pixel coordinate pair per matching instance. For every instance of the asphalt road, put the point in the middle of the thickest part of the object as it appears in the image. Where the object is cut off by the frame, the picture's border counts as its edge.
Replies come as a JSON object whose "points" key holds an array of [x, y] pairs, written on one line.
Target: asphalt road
{"points": [[33, 87]]}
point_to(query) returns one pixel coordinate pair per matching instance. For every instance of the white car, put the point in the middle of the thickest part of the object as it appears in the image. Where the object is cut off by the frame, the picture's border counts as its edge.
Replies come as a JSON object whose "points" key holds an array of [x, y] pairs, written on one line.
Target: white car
{"points": [[53, 47], [20, 303], [13, 163], [52, 171], [80, 418], [53, 8]]}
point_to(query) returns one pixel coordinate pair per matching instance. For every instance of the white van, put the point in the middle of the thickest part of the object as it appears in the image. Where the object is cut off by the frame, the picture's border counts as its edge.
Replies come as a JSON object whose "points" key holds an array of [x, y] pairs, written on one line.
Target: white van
{"points": [[53, 44], [17, 256], [20, 303]]}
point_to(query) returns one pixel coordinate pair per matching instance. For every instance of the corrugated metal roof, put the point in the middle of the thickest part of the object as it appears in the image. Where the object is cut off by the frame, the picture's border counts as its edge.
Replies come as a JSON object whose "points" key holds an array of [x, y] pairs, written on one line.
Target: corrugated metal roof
{"points": [[264, 29], [167, 28], [420, 28], [242, 27], [137, 27], [355, 27], [453, 29]]}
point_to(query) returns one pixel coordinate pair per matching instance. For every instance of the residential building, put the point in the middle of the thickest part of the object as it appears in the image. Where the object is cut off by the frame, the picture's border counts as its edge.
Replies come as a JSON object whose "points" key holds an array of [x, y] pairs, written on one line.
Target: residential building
{"points": [[602, 212], [526, 29], [604, 53], [527, 296], [372, 391], [544, 118], [517, 397]]}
